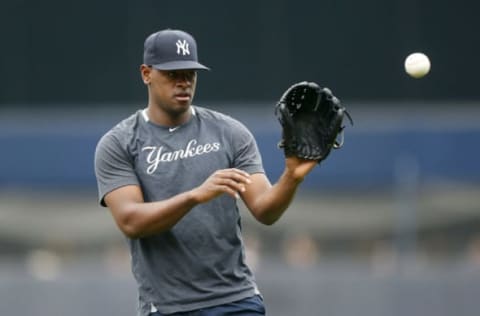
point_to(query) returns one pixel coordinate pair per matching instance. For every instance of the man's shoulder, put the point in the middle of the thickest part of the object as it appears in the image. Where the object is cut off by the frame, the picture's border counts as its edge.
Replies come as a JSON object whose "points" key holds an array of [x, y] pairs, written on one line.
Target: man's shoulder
{"points": [[215, 115], [123, 129], [127, 125]]}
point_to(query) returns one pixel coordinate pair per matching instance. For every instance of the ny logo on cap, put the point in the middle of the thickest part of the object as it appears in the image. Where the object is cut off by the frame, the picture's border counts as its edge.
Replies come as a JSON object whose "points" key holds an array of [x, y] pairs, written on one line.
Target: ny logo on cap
{"points": [[182, 47]]}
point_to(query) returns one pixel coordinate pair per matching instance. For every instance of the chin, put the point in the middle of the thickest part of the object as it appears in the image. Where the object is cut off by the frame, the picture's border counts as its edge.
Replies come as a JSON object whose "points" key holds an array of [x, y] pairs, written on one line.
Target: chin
{"points": [[179, 108]]}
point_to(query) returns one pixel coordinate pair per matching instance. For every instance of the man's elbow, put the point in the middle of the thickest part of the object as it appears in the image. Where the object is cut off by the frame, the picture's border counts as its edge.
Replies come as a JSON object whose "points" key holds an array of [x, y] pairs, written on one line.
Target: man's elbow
{"points": [[266, 219], [129, 224], [131, 231]]}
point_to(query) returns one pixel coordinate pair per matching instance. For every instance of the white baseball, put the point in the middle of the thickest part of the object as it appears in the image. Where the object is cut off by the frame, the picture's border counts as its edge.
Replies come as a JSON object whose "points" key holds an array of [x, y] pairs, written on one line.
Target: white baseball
{"points": [[417, 65]]}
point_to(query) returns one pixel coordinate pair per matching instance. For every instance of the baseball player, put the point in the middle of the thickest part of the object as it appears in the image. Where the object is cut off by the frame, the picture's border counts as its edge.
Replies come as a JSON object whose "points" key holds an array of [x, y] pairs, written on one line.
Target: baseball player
{"points": [[171, 174]]}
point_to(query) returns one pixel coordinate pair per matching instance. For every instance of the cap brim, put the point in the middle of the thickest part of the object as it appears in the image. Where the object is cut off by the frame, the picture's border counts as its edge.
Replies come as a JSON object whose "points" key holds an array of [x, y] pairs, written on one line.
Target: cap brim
{"points": [[180, 64]]}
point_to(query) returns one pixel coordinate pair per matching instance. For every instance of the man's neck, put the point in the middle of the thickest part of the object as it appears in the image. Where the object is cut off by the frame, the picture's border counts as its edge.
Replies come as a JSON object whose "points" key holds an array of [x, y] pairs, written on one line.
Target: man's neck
{"points": [[161, 117]]}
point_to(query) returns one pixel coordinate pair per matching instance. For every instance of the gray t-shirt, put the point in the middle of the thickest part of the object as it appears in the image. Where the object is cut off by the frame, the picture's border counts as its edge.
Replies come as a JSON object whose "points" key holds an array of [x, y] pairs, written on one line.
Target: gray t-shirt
{"points": [[200, 262]]}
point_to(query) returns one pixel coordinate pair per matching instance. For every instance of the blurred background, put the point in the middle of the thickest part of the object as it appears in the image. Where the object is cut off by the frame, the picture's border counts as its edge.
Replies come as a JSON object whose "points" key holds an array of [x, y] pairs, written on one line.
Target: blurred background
{"points": [[388, 225]]}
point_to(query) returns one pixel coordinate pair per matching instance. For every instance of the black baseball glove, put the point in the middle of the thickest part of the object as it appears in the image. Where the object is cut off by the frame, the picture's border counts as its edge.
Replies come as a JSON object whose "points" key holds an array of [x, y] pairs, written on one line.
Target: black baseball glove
{"points": [[311, 118]]}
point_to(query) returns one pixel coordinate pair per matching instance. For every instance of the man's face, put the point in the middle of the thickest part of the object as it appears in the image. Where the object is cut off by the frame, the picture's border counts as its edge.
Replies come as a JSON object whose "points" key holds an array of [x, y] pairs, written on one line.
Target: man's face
{"points": [[171, 90]]}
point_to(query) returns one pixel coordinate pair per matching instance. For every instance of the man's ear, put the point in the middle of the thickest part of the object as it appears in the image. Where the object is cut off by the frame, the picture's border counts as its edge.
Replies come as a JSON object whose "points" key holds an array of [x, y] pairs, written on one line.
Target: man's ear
{"points": [[146, 72]]}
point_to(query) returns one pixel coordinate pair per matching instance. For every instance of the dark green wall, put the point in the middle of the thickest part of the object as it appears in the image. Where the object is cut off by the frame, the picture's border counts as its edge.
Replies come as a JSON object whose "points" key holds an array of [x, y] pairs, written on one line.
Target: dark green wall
{"points": [[89, 51]]}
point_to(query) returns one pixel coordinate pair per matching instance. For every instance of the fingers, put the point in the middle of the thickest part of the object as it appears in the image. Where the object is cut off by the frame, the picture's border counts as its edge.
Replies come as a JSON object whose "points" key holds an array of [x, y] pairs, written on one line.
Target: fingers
{"points": [[232, 181], [228, 190]]}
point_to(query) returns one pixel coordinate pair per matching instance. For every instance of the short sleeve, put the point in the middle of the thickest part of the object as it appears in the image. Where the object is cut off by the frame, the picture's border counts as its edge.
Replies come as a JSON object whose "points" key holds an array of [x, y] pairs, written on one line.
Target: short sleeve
{"points": [[246, 154], [113, 166]]}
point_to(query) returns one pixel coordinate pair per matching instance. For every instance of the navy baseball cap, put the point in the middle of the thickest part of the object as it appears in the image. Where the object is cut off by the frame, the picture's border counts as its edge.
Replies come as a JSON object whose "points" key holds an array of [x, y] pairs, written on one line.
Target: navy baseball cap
{"points": [[171, 50]]}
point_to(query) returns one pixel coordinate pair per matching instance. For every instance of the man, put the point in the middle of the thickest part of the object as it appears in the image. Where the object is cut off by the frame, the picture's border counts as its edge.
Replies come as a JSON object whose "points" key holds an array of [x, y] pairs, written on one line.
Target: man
{"points": [[170, 175]]}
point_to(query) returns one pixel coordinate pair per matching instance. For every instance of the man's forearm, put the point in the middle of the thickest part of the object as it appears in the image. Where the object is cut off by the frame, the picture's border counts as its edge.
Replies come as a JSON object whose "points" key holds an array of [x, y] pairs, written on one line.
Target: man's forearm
{"points": [[143, 219], [155, 217], [271, 205]]}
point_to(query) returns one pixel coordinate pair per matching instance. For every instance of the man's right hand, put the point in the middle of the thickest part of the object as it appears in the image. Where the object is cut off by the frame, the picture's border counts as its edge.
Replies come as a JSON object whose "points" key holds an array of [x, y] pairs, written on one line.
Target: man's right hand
{"points": [[230, 181]]}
